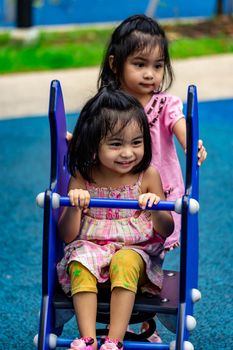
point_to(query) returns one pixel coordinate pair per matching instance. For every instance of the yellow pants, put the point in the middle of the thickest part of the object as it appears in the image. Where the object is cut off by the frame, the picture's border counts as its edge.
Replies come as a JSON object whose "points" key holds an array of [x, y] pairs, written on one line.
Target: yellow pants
{"points": [[126, 270]]}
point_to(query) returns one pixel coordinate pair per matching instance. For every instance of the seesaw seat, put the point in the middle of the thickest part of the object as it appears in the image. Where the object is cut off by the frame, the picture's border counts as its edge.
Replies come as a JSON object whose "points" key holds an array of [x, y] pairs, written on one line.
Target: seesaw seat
{"points": [[145, 306]]}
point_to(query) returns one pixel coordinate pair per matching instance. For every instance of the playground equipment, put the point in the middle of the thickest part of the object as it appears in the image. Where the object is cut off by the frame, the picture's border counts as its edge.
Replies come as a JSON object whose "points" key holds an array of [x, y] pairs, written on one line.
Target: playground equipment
{"points": [[174, 305]]}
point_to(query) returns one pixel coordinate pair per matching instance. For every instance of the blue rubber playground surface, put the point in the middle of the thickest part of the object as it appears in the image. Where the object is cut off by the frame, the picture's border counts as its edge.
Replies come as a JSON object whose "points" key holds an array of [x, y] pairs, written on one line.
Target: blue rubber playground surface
{"points": [[25, 159]]}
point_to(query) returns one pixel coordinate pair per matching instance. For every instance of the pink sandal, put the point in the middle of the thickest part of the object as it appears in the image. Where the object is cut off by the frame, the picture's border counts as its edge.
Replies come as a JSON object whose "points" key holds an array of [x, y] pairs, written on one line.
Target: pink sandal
{"points": [[111, 344], [82, 344], [154, 338]]}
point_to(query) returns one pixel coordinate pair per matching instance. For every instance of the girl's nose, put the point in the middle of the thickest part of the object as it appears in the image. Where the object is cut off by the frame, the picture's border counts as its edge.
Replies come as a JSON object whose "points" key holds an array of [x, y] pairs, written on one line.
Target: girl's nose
{"points": [[148, 74], [126, 152]]}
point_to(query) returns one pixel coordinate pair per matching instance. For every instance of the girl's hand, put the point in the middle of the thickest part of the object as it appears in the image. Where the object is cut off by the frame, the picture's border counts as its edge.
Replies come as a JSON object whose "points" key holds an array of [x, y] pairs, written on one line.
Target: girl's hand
{"points": [[148, 199], [175, 245], [79, 198], [68, 136], [202, 154]]}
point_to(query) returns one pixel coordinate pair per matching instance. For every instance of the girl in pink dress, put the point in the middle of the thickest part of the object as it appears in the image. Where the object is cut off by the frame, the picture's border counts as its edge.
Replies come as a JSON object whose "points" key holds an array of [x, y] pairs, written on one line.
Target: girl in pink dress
{"points": [[137, 61], [109, 156]]}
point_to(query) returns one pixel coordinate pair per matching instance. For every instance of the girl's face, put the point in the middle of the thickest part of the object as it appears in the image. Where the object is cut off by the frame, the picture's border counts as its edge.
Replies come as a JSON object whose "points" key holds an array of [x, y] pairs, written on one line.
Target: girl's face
{"points": [[120, 151], [143, 74]]}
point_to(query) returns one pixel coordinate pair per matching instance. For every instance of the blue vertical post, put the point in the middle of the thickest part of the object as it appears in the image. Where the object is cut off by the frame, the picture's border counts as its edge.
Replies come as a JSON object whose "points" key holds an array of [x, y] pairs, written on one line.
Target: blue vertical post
{"points": [[52, 246], [189, 226]]}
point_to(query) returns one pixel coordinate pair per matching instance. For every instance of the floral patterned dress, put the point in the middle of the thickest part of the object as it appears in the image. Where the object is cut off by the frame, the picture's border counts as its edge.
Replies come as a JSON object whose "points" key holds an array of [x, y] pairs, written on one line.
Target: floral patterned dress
{"points": [[104, 231], [163, 112]]}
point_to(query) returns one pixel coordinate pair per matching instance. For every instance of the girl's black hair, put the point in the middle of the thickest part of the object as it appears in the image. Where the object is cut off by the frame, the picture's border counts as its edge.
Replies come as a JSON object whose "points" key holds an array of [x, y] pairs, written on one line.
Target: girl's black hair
{"points": [[99, 116], [135, 33]]}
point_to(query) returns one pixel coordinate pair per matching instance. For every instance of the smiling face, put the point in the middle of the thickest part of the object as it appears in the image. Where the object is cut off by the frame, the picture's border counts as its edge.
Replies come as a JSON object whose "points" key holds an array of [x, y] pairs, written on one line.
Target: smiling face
{"points": [[143, 73], [121, 150]]}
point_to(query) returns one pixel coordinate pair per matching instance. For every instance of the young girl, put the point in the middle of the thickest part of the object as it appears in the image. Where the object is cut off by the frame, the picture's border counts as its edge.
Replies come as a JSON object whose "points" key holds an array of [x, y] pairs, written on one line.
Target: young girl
{"points": [[109, 156], [137, 61]]}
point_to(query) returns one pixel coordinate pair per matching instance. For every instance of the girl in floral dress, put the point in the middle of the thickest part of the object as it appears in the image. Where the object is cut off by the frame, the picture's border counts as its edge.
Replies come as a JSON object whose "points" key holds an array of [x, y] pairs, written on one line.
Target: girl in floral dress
{"points": [[109, 156]]}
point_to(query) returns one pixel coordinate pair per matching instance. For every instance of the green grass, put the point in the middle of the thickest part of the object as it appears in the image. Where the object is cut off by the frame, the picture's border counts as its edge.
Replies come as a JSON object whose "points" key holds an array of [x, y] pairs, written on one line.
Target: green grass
{"points": [[187, 47], [85, 48], [59, 50]]}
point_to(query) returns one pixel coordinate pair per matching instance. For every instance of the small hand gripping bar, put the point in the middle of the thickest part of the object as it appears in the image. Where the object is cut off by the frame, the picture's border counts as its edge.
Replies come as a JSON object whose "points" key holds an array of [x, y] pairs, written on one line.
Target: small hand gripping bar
{"points": [[59, 201]]}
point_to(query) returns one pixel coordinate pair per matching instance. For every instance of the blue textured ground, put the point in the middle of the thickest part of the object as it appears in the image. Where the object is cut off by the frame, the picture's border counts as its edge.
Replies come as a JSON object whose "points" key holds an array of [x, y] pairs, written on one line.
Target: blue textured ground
{"points": [[24, 159]]}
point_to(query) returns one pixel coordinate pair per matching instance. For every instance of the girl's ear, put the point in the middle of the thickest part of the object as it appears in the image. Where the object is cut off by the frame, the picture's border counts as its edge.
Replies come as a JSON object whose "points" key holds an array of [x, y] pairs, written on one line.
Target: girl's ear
{"points": [[111, 63]]}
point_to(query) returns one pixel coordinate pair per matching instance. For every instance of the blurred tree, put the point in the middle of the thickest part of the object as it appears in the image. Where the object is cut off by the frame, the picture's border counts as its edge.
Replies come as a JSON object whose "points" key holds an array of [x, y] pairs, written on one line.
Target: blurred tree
{"points": [[219, 8], [24, 13], [224, 7], [230, 7]]}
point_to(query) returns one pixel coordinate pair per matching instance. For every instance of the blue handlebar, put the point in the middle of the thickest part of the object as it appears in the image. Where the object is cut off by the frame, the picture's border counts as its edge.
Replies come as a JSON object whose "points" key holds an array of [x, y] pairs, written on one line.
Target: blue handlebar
{"points": [[121, 203]]}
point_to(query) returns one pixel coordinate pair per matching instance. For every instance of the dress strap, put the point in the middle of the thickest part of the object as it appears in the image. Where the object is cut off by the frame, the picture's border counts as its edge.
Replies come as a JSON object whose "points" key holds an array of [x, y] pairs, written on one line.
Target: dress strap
{"points": [[140, 177]]}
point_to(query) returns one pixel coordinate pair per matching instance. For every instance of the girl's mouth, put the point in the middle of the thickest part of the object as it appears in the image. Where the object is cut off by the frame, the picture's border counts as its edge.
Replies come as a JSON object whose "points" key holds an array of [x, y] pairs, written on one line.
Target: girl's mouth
{"points": [[148, 86], [125, 164]]}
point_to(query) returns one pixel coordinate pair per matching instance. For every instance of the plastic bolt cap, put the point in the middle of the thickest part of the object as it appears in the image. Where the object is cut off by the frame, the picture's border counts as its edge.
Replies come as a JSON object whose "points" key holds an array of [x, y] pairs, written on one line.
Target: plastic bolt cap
{"points": [[35, 340], [190, 323], [178, 205], [40, 199], [52, 341], [56, 200], [196, 295], [193, 206], [187, 345], [172, 345]]}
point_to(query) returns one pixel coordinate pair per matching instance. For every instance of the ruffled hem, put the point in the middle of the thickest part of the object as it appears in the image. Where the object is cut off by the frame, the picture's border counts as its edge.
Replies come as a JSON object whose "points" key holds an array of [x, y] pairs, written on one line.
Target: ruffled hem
{"points": [[97, 260]]}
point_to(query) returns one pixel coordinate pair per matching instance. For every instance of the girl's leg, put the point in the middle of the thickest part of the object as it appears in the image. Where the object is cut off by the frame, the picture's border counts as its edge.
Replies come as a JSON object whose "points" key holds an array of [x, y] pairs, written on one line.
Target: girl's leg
{"points": [[84, 293], [122, 302], [85, 305], [126, 268]]}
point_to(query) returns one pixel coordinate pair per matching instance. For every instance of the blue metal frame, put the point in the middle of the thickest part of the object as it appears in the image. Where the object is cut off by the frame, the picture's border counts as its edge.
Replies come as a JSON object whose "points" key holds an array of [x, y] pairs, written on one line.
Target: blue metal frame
{"points": [[120, 203], [189, 228], [53, 247]]}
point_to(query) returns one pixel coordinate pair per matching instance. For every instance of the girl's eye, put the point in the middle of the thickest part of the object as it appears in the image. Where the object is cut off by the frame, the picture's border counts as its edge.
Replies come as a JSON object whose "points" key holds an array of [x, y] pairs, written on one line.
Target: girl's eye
{"points": [[159, 66], [115, 144], [137, 142], [139, 64]]}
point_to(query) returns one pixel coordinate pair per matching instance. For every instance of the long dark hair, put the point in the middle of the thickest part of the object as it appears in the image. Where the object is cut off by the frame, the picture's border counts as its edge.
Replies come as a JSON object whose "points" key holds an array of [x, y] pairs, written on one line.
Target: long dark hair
{"points": [[135, 33], [99, 116]]}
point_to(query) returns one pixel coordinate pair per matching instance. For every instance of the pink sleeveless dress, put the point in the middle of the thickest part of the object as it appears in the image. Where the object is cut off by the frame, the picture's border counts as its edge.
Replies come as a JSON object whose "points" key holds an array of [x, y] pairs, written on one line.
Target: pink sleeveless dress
{"points": [[163, 111], [104, 231]]}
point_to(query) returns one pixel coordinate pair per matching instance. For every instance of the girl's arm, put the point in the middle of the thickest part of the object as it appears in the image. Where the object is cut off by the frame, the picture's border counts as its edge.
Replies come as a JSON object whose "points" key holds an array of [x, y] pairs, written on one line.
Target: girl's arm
{"points": [[69, 222], [179, 129], [152, 193]]}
